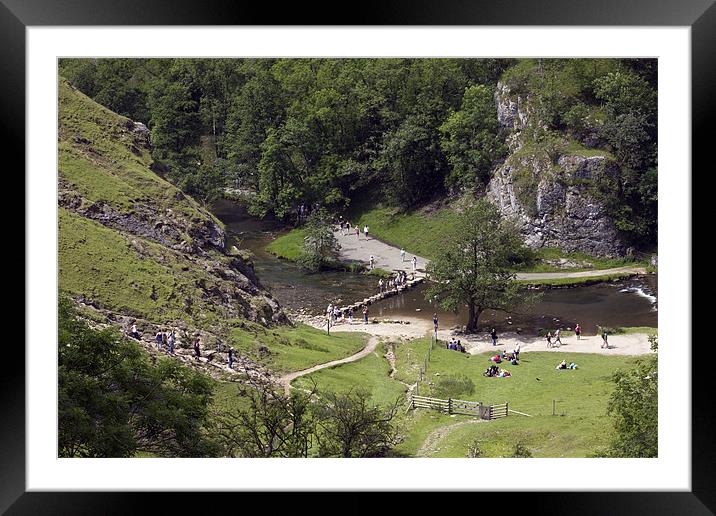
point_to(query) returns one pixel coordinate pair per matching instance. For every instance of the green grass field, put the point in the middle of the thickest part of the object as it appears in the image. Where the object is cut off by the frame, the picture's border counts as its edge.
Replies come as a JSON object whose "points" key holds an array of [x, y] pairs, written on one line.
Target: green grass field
{"points": [[370, 373], [297, 348], [579, 428], [288, 246]]}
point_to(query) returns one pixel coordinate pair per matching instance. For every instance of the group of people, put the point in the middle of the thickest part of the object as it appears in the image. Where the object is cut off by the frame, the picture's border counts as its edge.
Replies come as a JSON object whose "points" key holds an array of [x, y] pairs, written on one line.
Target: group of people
{"points": [[455, 345], [401, 278], [166, 340], [335, 314], [495, 371], [563, 365], [557, 342], [347, 229], [163, 339]]}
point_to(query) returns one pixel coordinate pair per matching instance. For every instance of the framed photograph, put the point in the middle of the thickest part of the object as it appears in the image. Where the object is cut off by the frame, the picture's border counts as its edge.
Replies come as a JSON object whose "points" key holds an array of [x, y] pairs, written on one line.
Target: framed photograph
{"points": [[202, 182]]}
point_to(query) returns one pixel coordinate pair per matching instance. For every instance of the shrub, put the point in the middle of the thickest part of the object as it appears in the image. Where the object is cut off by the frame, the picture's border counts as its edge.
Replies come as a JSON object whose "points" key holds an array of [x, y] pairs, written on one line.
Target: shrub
{"points": [[451, 386]]}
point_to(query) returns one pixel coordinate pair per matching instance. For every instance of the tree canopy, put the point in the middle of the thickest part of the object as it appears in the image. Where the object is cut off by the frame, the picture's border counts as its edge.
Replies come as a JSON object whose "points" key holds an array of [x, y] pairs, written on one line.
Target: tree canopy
{"points": [[301, 131], [473, 265], [113, 402]]}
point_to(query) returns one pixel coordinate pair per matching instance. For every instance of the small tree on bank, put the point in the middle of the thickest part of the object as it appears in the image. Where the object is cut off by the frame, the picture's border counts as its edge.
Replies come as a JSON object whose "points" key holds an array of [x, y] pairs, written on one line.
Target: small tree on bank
{"points": [[320, 246], [473, 264], [634, 409]]}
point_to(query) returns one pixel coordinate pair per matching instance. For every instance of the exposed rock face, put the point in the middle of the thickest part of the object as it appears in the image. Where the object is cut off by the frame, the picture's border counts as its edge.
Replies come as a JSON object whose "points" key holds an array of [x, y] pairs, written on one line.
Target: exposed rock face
{"points": [[556, 209]]}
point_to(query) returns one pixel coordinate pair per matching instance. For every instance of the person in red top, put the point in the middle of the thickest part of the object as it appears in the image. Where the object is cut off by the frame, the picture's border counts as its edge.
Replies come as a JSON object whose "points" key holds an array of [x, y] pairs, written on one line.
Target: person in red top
{"points": [[578, 330]]}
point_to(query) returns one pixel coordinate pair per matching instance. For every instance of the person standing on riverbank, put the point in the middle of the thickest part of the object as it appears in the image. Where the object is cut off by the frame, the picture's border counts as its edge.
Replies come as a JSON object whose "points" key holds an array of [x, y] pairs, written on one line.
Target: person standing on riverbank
{"points": [[365, 232], [493, 334], [549, 339], [402, 254], [380, 285], [350, 316], [605, 344], [365, 315], [372, 260], [415, 263], [231, 358], [435, 324], [578, 331], [133, 332], [557, 340]]}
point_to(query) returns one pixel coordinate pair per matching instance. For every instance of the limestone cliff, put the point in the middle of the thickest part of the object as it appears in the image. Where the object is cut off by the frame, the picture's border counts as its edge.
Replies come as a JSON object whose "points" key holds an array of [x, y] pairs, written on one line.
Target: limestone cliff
{"points": [[547, 189]]}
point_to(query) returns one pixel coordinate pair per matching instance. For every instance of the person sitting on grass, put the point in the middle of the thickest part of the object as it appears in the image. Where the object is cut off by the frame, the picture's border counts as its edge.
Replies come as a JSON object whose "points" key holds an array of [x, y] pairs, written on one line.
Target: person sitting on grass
{"points": [[491, 371], [562, 365], [572, 365]]}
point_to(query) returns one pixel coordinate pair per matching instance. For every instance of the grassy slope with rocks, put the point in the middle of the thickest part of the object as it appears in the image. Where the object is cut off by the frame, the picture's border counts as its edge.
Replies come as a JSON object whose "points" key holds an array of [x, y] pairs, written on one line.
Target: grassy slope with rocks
{"points": [[133, 246]]}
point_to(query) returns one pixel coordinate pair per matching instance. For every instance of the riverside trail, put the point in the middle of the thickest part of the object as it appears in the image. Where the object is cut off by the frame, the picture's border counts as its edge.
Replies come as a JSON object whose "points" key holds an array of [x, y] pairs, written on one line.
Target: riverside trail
{"points": [[359, 249]]}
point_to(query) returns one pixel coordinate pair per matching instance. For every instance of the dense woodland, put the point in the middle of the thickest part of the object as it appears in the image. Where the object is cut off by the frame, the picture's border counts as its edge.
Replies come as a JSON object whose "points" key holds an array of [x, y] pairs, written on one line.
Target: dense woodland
{"points": [[336, 131]]}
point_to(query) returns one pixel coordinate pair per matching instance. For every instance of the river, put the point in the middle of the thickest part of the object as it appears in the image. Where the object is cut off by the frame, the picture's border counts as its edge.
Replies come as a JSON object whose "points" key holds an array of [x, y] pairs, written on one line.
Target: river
{"points": [[630, 302]]}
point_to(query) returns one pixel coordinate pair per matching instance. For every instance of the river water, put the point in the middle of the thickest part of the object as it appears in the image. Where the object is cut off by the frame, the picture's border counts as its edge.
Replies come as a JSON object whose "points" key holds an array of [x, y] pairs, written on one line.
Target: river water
{"points": [[631, 302]]}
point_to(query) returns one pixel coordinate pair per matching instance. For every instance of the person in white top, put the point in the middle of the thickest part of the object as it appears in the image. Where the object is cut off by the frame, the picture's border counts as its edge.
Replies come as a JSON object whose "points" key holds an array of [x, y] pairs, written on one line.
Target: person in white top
{"points": [[372, 261], [402, 255], [365, 232], [415, 263]]}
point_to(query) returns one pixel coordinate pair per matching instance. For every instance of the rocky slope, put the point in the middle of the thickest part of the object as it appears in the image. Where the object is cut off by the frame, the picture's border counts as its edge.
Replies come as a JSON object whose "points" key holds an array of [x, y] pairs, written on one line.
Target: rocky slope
{"points": [[132, 247], [548, 193]]}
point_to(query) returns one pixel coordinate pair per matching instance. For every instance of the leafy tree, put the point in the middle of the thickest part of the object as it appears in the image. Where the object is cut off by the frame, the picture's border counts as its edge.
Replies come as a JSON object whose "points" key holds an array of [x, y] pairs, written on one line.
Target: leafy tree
{"points": [[204, 182], [634, 409], [414, 160], [256, 109], [112, 402], [320, 246], [473, 264], [349, 425], [273, 424], [469, 138], [175, 122]]}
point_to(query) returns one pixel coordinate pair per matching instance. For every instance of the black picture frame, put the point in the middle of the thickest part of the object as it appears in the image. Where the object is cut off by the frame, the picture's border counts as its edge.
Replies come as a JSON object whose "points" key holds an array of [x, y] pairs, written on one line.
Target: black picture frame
{"points": [[16, 15]]}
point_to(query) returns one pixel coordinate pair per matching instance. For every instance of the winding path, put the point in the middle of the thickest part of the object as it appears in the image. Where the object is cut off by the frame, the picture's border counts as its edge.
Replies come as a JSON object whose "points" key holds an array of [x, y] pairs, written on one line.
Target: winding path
{"points": [[387, 257], [286, 380]]}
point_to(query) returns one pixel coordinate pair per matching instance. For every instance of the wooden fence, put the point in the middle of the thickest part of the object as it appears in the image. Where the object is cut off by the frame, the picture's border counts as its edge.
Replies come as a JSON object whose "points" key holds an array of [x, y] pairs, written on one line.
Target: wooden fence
{"points": [[451, 406]]}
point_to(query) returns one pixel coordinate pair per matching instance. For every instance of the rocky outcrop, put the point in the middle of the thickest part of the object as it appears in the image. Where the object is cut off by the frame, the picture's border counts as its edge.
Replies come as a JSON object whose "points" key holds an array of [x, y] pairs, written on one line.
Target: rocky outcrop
{"points": [[549, 201]]}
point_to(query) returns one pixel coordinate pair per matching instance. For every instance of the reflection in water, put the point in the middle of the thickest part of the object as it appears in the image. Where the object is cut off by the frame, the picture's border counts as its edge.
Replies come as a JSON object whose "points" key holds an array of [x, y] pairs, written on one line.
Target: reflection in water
{"points": [[630, 302]]}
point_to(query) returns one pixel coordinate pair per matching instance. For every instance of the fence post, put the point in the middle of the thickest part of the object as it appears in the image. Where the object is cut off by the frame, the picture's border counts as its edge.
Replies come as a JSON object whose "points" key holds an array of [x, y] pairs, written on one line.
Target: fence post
{"points": [[507, 409], [449, 405]]}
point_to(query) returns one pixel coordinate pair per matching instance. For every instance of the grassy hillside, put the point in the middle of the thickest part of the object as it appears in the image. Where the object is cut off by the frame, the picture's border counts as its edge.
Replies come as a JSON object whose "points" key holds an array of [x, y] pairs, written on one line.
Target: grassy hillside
{"points": [[135, 246], [103, 160]]}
